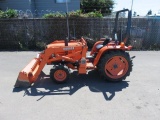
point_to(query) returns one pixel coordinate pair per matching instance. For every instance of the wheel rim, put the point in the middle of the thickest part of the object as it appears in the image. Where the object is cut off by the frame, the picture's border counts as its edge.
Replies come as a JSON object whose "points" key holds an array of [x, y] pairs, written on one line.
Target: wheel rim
{"points": [[116, 67], [60, 75]]}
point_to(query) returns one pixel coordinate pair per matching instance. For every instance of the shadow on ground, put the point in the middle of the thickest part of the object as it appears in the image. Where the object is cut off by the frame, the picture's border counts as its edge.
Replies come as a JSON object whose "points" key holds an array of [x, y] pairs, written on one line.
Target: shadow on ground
{"points": [[44, 86]]}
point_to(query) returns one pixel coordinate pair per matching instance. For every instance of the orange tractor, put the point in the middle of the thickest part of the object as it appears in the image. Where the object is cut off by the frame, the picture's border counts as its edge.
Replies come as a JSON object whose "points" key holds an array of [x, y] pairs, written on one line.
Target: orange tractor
{"points": [[107, 56]]}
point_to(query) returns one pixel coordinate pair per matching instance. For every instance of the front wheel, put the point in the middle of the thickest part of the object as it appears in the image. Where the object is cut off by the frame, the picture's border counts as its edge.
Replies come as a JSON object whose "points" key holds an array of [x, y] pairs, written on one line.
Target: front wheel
{"points": [[59, 74], [115, 66]]}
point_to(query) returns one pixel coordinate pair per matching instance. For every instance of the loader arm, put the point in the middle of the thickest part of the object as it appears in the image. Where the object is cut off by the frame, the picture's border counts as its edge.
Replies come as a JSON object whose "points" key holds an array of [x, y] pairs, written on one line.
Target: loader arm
{"points": [[30, 73]]}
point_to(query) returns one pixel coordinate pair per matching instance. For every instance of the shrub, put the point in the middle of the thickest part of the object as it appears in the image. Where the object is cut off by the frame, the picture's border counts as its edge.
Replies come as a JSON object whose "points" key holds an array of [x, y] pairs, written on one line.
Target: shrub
{"points": [[77, 13], [53, 15], [10, 13], [1, 14], [95, 14]]}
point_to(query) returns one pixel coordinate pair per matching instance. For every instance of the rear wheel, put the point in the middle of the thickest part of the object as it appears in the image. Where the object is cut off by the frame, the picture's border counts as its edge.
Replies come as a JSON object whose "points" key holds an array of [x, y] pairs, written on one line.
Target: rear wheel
{"points": [[115, 66], [59, 74]]}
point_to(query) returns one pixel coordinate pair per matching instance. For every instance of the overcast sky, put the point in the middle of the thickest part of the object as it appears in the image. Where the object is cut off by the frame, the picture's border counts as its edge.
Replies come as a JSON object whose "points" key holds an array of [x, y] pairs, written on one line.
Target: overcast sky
{"points": [[139, 6]]}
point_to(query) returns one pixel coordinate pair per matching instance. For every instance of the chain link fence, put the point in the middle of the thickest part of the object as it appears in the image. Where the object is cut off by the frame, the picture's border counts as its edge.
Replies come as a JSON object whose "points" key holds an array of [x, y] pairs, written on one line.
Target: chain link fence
{"points": [[35, 33]]}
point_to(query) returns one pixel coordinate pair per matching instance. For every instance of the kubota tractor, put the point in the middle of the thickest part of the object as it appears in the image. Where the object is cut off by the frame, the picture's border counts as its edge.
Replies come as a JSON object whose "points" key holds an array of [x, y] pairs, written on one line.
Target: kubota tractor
{"points": [[107, 56]]}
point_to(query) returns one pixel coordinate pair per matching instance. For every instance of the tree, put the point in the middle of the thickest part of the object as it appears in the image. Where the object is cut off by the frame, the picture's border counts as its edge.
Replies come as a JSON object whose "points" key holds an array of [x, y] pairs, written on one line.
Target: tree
{"points": [[149, 12], [103, 6], [134, 14]]}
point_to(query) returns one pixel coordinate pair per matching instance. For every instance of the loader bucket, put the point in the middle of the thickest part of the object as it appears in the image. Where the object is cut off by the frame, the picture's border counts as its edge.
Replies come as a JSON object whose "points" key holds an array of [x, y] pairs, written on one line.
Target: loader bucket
{"points": [[29, 74]]}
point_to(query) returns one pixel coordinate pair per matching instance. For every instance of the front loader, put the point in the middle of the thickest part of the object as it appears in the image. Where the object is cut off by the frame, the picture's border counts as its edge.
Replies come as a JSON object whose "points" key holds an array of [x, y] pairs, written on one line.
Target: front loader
{"points": [[107, 55]]}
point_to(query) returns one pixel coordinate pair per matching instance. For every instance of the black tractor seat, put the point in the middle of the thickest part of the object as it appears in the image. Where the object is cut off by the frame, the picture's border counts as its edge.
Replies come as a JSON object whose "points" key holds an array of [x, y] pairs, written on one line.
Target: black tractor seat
{"points": [[106, 41]]}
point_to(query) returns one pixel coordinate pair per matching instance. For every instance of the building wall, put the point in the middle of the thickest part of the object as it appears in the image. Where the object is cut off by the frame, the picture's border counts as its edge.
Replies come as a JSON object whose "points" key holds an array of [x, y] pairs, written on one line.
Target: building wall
{"points": [[39, 5], [15, 4]]}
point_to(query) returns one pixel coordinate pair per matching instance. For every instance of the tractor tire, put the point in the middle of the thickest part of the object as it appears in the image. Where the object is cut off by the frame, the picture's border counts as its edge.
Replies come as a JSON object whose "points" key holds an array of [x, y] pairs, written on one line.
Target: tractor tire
{"points": [[59, 74], [115, 66]]}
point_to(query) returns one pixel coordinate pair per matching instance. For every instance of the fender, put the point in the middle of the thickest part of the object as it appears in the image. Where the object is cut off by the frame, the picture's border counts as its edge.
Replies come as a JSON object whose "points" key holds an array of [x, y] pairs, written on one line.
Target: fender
{"points": [[107, 48], [94, 47]]}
